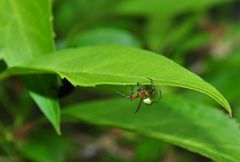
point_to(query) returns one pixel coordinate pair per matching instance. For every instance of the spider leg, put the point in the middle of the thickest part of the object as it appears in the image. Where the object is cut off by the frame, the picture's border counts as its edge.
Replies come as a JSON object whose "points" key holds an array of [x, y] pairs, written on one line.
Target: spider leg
{"points": [[121, 94], [156, 100], [160, 94], [139, 85], [152, 87], [139, 105], [132, 89]]}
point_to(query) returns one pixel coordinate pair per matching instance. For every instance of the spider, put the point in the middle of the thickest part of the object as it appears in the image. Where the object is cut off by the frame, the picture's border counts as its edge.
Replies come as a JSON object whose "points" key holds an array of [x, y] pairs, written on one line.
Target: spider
{"points": [[146, 94]]}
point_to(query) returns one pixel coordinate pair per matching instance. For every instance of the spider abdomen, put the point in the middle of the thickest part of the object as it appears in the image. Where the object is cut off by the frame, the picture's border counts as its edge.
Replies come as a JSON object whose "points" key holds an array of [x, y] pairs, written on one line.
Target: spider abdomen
{"points": [[147, 101]]}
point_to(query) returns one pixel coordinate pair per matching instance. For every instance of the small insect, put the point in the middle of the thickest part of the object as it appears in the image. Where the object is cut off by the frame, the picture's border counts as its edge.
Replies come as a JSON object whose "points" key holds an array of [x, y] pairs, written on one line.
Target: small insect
{"points": [[147, 94]]}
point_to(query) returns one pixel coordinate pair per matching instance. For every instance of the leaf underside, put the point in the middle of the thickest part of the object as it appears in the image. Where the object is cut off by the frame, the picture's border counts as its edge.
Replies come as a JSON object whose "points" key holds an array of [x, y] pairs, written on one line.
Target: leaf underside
{"points": [[118, 65]]}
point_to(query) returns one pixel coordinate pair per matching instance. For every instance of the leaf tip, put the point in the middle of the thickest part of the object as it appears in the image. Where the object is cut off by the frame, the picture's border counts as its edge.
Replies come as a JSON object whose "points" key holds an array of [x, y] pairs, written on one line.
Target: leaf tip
{"points": [[229, 109], [58, 130], [230, 112]]}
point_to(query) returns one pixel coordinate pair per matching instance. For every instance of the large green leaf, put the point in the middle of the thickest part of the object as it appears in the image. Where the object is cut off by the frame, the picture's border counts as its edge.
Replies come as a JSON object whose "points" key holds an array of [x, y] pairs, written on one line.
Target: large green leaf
{"points": [[26, 32], [116, 65], [176, 120], [23, 35]]}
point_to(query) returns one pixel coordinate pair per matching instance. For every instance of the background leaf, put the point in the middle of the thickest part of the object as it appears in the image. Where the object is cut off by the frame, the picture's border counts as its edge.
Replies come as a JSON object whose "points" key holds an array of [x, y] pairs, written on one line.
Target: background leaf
{"points": [[151, 7], [26, 31], [163, 15], [193, 126], [103, 36]]}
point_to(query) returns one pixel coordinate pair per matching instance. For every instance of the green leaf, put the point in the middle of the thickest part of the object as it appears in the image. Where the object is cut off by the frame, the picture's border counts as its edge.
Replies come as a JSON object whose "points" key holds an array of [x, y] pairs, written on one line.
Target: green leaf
{"points": [[26, 32], [165, 8], [176, 120], [116, 65], [103, 36], [23, 35]]}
